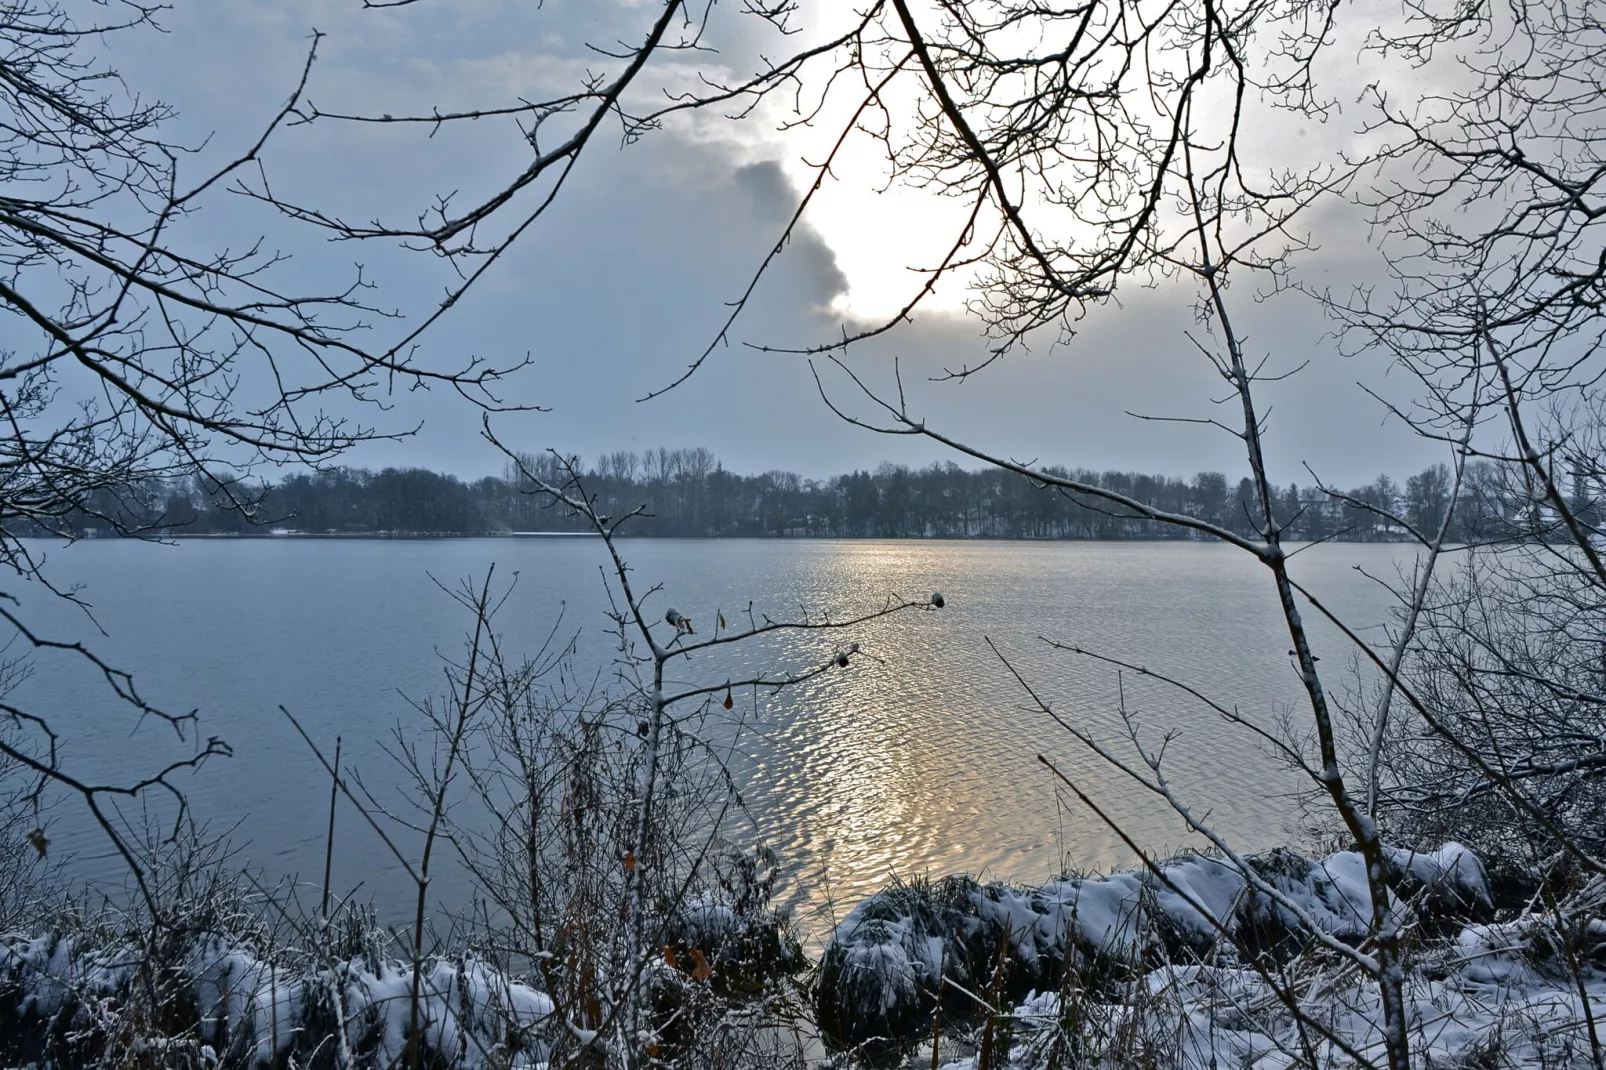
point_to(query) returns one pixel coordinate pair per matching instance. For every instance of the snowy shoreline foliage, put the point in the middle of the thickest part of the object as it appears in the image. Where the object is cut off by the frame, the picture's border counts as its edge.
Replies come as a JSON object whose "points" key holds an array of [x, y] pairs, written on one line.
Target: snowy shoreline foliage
{"points": [[245, 1012], [1190, 967], [880, 973], [1199, 1017], [104, 994]]}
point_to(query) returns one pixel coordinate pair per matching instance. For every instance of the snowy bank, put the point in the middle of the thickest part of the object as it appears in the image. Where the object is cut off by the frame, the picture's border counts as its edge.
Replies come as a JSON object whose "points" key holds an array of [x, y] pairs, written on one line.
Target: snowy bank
{"points": [[1524, 993], [880, 973], [100, 995], [65, 1004]]}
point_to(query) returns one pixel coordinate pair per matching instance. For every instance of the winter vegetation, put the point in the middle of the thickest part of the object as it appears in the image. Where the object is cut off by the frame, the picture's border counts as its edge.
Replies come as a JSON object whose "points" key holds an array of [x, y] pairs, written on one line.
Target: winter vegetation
{"points": [[1450, 907], [686, 492]]}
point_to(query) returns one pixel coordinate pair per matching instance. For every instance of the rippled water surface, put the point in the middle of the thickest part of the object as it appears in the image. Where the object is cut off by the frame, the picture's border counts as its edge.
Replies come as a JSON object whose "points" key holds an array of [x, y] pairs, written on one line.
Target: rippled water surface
{"points": [[919, 759]]}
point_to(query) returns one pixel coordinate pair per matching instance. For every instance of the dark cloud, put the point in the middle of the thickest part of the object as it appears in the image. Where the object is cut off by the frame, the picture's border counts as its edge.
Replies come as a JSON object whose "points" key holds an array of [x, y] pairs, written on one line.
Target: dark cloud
{"points": [[809, 260]]}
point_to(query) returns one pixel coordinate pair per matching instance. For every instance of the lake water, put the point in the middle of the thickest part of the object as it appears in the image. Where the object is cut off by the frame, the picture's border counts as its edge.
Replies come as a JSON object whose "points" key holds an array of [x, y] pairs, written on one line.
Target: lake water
{"points": [[920, 760]]}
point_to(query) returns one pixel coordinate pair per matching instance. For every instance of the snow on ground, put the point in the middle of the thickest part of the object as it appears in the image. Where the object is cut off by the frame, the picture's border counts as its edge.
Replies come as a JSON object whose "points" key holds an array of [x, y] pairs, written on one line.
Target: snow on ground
{"points": [[1490, 1007]]}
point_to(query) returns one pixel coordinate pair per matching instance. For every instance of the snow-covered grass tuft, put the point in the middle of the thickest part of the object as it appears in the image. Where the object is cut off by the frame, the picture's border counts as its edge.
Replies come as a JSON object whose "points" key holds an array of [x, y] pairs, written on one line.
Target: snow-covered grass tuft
{"points": [[880, 974]]}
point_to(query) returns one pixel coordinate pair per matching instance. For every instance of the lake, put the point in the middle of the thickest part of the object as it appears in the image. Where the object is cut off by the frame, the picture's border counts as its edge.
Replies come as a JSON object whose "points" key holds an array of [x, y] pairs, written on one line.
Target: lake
{"points": [[920, 759]]}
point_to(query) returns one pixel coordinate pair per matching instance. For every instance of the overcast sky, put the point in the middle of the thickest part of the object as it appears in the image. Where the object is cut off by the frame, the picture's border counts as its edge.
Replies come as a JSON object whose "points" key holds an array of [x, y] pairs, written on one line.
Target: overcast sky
{"points": [[626, 281]]}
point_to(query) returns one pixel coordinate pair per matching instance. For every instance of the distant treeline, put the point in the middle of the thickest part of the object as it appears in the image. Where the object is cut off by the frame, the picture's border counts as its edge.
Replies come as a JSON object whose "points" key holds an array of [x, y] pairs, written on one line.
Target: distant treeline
{"points": [[687, 492]]}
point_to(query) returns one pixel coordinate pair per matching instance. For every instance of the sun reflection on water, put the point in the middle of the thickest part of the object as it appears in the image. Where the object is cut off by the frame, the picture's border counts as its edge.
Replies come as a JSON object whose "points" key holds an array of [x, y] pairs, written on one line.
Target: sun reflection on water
{"points": [[921, 758]]}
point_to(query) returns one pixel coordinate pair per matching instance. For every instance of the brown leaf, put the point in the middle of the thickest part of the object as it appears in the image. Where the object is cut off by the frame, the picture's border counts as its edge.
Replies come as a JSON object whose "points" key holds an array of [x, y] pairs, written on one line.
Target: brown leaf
{"points": [[722, 624], [669, 956], [630, 860], [702, 971], [729, 702], [36, 837]]}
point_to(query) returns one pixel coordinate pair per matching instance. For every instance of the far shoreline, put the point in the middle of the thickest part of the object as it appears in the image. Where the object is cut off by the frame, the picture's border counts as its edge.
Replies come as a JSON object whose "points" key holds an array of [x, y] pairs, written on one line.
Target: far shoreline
{"points": [[389, 536]]}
